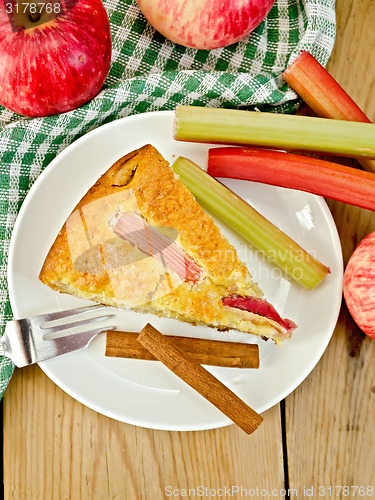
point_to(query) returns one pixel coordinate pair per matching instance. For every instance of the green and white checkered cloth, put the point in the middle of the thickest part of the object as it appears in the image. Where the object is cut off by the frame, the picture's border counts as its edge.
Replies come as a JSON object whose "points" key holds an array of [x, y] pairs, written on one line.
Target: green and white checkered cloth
{"points": [[150, 73]]}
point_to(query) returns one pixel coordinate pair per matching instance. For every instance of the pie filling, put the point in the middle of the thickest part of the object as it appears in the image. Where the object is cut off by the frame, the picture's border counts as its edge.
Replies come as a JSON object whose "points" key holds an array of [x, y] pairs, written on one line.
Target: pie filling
{"points": [[258, 306]]}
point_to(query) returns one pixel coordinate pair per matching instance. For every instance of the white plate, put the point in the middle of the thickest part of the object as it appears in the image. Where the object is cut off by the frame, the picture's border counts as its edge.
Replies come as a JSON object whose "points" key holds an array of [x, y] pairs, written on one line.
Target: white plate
{"points": [[145, 393]]}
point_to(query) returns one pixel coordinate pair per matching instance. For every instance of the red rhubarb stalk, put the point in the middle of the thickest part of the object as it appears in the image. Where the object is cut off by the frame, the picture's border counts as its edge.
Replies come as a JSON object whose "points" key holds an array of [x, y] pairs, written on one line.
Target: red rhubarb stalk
{"points": [[323, 94], [338, 182]]}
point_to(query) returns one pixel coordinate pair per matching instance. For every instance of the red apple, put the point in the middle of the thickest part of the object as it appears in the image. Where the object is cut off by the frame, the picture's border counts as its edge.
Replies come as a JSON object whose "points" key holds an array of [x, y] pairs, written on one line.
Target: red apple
{"points": [[52, 59], [359, 285], [205, 24]]}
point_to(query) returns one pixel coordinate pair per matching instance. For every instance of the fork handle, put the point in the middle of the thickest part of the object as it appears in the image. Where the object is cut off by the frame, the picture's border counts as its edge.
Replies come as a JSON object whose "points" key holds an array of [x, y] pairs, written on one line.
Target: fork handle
{"points": [[12, 346]]}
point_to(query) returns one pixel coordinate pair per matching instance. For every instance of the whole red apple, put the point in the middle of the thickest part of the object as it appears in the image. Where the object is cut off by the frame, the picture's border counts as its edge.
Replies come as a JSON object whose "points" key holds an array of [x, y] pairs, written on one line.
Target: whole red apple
{"points": [[205, 24], [52, 58], [359, 285]]}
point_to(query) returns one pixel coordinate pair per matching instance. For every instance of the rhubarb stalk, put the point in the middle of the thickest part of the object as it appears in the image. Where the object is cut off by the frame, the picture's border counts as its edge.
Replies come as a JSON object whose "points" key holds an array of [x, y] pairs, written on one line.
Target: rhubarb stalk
{"points": [[279, 131], [338, 182], [251, 225], [323, 94]]}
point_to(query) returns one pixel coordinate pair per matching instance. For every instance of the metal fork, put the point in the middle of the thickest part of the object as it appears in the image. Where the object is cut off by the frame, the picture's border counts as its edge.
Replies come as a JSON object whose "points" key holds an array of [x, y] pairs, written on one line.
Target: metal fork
{"points": [[26, 341]]}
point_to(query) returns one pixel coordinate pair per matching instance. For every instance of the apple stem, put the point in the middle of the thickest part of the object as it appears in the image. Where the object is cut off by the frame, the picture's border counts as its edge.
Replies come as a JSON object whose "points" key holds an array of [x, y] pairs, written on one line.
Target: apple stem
{"points": [[34, 16]]}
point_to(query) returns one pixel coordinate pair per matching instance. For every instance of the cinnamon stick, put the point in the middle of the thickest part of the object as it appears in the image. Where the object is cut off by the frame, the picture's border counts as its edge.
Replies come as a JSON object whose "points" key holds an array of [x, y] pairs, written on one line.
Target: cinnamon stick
{"points": [[205, 352], [191, 372]]}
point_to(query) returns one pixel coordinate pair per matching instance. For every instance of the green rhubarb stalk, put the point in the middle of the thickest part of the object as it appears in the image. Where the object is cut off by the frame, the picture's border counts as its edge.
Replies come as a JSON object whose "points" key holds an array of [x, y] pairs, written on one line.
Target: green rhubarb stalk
{"points": [[279, 248], [323, 94], [280, 131]]}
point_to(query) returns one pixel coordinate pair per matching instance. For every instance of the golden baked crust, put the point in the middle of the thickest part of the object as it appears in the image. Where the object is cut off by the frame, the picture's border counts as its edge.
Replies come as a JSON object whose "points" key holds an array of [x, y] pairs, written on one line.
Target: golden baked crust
{"points": [[89, 261]]}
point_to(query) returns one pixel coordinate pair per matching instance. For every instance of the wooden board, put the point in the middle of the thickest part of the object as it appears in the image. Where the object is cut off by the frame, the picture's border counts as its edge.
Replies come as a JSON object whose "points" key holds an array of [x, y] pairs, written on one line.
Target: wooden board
{"points": [[330, 418], [55, 448]]}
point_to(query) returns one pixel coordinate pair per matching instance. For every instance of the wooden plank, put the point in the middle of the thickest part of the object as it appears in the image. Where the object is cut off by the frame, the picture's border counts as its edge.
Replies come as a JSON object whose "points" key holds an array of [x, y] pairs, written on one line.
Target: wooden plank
{"points": [[352, 59], [330, 418], [55, 448]]}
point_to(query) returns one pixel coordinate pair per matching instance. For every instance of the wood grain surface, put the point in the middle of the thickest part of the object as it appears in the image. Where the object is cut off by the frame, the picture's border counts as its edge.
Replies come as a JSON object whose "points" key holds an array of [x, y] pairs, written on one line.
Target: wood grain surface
{"points": [[330, 418], [321, 438]]}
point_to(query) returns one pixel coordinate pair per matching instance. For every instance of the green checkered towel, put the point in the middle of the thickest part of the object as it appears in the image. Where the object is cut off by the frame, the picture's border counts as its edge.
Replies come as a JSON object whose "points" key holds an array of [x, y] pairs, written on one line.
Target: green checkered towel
{"points": [[150, 73]]}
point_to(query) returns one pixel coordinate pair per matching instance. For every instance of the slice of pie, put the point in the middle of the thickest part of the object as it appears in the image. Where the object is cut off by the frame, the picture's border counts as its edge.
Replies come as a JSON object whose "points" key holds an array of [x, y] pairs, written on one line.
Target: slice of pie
{"points": [[138, 239]]}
